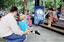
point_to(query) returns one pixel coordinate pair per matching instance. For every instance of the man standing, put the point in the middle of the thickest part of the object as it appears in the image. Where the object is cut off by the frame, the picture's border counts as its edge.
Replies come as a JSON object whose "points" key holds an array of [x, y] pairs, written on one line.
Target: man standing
{"points": [[9, 28]]}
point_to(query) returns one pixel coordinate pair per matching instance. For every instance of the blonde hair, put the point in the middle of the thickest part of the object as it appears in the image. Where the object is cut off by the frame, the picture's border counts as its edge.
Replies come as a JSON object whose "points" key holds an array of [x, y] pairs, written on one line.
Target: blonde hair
{"points": [[22, 17]]}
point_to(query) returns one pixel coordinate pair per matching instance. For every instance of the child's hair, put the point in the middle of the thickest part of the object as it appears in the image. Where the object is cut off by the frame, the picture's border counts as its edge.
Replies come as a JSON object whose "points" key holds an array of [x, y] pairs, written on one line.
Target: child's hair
{"points": [[22, 17]]}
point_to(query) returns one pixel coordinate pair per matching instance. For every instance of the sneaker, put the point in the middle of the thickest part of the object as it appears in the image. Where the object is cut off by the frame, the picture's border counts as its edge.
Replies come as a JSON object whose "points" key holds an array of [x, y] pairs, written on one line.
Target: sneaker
{"points": [[36, 32]]}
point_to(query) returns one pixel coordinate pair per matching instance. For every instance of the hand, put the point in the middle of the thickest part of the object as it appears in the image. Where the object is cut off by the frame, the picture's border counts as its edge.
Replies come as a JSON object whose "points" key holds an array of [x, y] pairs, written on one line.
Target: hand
{"points": [[26, 32]]}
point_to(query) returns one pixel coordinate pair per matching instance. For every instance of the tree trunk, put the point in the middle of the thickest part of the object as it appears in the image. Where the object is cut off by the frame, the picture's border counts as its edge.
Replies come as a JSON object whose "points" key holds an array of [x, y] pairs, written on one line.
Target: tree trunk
{"points": [[55, 5], [25, 6]]}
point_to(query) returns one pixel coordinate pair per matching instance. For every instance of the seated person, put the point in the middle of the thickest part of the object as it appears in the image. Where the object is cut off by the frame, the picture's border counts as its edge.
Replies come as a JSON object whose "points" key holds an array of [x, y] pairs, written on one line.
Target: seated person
{"points": [[58, 12], [61, 16], [23, 25]]}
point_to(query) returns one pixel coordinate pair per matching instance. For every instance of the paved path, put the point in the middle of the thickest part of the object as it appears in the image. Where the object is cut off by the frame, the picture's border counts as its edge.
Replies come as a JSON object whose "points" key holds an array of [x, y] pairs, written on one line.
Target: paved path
{"points": [[46, 36]]}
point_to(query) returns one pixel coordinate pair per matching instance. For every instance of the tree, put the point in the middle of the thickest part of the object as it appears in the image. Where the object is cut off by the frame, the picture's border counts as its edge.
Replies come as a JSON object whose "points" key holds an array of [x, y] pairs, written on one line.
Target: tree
{"points": [[25, 6], [2, 4], [6, 4]]}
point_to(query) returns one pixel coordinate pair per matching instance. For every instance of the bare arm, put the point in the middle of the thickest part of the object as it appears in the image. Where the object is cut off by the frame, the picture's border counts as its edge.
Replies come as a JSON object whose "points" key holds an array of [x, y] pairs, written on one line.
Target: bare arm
{"points": [[19, 27]]}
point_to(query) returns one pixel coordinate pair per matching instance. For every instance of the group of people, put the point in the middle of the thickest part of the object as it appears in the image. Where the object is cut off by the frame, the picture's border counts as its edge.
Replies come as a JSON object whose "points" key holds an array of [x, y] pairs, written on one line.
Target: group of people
{"points": [[14, 27], [3, 13], [53, 16]]}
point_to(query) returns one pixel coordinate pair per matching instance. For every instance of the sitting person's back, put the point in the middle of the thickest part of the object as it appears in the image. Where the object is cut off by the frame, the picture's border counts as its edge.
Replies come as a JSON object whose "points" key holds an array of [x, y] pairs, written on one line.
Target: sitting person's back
{"points": [[23, 25], [61, 16]]}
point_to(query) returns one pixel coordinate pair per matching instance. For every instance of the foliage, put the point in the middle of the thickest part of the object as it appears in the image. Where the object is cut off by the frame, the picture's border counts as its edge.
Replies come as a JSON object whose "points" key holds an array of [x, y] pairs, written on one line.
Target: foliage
{"points": [[6, 4], [1, 39]]}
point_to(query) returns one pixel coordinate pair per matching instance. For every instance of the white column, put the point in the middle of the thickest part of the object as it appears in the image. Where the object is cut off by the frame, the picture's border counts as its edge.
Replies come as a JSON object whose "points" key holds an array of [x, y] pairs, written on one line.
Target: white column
{"points": [[43, 2], [44, 7]]}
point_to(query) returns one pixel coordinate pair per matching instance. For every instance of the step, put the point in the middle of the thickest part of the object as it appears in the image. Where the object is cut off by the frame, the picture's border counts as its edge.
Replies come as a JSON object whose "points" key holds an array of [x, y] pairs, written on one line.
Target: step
{"points": [[53, 28], [57, 26]]}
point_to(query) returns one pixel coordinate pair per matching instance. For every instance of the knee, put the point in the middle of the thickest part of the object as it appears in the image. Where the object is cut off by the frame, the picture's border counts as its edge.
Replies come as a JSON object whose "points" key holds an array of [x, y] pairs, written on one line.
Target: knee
{"points": [[24, 37]]}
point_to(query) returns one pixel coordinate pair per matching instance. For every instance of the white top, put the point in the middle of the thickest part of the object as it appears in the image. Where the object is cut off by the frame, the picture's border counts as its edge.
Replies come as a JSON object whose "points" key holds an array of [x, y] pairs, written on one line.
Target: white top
{"points": [[61, 18], [55, 14], [8, 26]]}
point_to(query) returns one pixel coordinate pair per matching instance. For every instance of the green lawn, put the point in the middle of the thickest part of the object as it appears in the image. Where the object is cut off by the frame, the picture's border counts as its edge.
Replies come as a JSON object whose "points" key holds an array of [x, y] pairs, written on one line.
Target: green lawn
{"points": [[1, 39]]}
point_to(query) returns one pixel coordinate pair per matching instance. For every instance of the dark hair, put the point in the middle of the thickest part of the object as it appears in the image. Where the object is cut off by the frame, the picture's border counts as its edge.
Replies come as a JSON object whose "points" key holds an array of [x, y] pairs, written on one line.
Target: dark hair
{"points": [[51, 9], [59, 8], [0, 16], [13, 8]]}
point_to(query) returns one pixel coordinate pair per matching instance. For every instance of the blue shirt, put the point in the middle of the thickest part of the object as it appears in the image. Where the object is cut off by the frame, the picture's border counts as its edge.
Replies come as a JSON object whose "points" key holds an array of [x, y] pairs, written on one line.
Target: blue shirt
{"points": [[58, 13], [23, 25]]}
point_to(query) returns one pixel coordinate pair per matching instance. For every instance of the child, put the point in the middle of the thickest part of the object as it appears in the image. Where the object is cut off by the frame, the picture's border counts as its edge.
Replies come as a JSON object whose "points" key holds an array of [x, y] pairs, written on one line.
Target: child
{"points": [[29, 19], [29, 24], [23, 25]]}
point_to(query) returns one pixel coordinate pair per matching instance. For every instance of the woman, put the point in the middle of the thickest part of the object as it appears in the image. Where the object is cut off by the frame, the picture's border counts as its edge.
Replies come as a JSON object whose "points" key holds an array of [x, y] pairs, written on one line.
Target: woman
{"points": [[52, 17]]}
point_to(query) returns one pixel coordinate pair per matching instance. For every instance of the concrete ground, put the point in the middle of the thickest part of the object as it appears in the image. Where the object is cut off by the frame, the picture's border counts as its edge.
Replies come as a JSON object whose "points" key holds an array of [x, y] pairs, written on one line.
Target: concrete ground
{"points": [[46, 36]]}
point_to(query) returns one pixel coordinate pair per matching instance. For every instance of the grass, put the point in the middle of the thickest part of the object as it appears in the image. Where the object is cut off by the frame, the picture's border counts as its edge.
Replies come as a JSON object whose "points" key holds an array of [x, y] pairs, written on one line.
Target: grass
{"points": [[1, 39]]}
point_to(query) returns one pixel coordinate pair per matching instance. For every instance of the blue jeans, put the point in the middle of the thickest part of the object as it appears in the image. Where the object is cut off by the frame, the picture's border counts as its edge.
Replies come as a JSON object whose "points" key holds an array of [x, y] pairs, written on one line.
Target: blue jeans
{"points": [[15, 38]]}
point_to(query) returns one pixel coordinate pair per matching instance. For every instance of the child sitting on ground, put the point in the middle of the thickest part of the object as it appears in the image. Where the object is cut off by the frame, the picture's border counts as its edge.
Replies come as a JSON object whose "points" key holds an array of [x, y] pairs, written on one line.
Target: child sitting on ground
{"points": [[23, 25]]}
